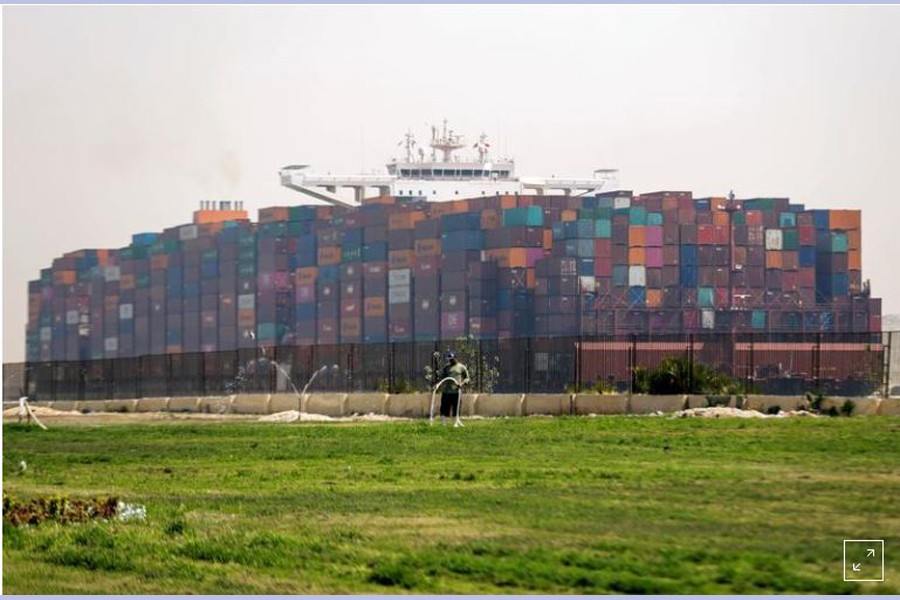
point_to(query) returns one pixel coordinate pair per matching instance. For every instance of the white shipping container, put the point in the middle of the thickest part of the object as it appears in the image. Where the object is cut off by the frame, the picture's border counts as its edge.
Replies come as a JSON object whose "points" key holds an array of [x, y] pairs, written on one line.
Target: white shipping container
{"points": [[126, 311], [399, 277], [246, 301], [72, 317], [622, 203], [707, 318], [187, 232], [46, 334], [637, 275], [111, 344], [755, 235], [773, 239], [587, 283], [112, 273], [398, 294]]}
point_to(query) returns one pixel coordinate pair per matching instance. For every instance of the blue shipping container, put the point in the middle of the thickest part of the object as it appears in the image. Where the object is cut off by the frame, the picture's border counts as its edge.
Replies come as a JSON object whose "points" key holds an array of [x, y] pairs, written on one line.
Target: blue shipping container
{"points": [[688, 276], [637, 295]]}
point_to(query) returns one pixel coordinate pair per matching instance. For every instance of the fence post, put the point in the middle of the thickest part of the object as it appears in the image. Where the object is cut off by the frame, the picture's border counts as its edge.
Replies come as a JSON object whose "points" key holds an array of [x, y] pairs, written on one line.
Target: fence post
{"points": [[886, 365], [632, 355], [817, 349], [203, 374], [169, 375], [138, 376], [752, 371], [479, 366], [691, 363], [529, 360], [392, 357], [110, 373]]}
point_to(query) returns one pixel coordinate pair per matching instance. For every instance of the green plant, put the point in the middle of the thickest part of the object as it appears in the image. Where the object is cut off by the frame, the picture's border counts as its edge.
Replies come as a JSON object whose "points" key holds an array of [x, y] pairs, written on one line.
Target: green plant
{"points": [[773, 410], [486, 371], [402, 385], [848, 408]]}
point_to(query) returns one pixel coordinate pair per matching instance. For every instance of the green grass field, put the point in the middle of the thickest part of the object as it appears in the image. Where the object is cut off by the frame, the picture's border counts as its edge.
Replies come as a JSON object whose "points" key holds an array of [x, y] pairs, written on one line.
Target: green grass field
{"points": [[565, 505]]}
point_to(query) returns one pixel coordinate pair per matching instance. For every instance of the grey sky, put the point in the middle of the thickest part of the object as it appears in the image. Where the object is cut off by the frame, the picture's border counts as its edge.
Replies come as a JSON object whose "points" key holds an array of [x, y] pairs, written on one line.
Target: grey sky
{"points": [[118, 120]]}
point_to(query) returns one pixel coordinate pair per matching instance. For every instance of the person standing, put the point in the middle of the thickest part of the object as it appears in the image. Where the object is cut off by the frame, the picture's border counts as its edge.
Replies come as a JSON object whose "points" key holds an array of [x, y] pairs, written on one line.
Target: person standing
{"points": [[452, 389]]}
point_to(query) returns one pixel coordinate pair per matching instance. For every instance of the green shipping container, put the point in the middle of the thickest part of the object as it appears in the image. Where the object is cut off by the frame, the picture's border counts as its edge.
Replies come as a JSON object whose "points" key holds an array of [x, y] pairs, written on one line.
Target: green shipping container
{"points": [[758, 319], [740, 218], [528, 216], [603, 228], [142, 281], [839, 242], [637, 215], [265, 331], [790, 239], [654, 218], [787, 219], [706, 297], [351, 254]]}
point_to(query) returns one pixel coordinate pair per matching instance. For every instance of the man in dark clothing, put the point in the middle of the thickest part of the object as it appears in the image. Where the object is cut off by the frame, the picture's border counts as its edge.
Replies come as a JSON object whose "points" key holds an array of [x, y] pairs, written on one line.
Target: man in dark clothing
{"points": [[451, 389]]}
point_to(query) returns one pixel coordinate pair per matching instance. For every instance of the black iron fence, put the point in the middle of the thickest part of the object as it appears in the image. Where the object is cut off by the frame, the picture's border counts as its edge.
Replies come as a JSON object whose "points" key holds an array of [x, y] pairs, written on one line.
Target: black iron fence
{"points": [[830, 363]]}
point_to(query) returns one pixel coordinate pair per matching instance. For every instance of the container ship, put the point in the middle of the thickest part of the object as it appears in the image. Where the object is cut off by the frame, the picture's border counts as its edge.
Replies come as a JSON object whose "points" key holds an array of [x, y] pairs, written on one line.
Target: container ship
{"points": [[440, 247]]}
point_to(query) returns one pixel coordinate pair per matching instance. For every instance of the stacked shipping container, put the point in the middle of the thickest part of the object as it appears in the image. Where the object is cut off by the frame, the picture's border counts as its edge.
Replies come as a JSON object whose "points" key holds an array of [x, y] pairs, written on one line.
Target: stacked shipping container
{"points": [[491, 267]]}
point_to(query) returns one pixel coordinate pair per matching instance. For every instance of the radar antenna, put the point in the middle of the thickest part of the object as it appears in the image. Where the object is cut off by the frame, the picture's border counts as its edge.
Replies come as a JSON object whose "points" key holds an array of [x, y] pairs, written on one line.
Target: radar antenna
{"points": [[482, 146], [409, 142], [447, 143]]}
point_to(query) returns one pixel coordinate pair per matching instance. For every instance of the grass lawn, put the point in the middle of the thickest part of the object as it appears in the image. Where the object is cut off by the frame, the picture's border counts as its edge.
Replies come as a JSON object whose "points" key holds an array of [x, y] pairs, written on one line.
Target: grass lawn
{"points": [[563, 505]]}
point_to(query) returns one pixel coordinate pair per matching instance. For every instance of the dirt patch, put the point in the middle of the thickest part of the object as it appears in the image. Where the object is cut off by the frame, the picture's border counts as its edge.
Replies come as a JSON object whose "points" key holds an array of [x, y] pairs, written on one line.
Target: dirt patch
{"points": [[716, 412]]}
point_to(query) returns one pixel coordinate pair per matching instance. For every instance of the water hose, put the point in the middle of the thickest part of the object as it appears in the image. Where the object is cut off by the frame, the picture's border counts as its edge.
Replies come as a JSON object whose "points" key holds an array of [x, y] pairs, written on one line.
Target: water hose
{"points": [[434, 392]]}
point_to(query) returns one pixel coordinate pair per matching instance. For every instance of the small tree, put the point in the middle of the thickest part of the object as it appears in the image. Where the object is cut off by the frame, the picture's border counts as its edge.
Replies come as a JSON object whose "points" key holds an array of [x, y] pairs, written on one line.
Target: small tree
{"points": [[486, 364]]}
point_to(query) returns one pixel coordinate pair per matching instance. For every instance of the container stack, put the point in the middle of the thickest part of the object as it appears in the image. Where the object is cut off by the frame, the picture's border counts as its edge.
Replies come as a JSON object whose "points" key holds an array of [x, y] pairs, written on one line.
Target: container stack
{"points": [[490, 267]]}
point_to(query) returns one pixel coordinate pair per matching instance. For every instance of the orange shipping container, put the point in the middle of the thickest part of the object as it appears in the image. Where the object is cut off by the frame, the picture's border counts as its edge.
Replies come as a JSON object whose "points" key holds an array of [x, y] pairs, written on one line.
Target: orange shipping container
{"points": [[530, 278], [548, 239], [654, 298], [401, 259], [844, 219], [507, 257], [204, 217], [854, 260], [159, 261], [637, 256], [569, 215], [754, 217], [103, 258], [720, 217], [306, 275], [637, 236], [246, 317], [490, 219], [740, 255], [374, 307], [351, 327], [273, 214], [854, 239], [669, 203], [773, 259], [446, 208], [405, 220], [508, 201], [430, 247], [126, 282], [329, 255], [63, 277]]}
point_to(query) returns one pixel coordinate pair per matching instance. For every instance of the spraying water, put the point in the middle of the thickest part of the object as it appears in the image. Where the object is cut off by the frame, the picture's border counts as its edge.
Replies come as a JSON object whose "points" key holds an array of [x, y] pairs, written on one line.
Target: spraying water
{"points": [[458, 422]]}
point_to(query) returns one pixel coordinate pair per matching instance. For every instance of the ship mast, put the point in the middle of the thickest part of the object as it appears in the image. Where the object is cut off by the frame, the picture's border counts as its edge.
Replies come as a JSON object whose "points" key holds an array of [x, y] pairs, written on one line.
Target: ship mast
{"points": [[446, 143]]}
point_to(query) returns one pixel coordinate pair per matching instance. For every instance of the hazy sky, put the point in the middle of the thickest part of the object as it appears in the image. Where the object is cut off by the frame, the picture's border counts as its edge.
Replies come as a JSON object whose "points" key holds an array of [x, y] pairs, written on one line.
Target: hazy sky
{"points": [[119, 120]]}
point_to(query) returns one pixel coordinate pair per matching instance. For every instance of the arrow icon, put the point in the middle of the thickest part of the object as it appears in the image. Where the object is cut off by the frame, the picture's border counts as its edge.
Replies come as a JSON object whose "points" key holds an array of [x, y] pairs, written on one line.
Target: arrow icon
{"points": [[870, 551], [856, 566]]}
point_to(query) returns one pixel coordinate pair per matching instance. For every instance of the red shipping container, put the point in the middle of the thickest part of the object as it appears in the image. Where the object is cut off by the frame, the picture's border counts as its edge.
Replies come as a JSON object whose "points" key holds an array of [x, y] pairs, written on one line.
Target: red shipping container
{"points": [[603, 267], [654, 257], [427, 265], [603, 248], [706, 235], [806, 235]]}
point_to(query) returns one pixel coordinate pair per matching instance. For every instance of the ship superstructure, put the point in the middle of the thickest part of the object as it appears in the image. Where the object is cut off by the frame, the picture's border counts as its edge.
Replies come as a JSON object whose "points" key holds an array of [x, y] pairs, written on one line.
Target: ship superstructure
{"points": [[441, 175]]}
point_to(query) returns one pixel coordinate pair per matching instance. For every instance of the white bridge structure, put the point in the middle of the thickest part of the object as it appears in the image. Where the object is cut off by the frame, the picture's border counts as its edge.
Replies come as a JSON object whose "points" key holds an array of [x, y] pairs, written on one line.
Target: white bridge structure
{"points": [[441, 178]]}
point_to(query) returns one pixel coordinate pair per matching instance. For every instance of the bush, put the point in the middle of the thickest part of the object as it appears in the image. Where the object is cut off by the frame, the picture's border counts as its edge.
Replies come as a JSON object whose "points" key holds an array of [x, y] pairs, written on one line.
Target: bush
{"points": [[848, 408]]}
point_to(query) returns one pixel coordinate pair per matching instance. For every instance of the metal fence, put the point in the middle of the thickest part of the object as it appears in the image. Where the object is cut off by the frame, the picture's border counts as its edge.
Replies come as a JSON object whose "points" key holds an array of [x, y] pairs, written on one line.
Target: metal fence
{"points": [[830, 363]]}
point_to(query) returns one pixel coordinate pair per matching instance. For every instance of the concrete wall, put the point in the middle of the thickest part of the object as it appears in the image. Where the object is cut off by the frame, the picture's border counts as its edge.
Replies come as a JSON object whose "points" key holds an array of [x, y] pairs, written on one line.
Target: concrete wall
{"points": [[331, 405], [596, 404], [499, 405], [413, 406], [547, 404], [363, 404], [487, 405]]}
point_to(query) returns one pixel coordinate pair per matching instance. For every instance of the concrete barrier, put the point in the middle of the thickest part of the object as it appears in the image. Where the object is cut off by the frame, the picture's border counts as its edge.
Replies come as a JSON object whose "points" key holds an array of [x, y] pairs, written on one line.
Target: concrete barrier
{"points": [[152, 405], [68, 405], [363, 404], [764, 403], [547, 404], [889, 407], [183, 404], [329, 404], [599, 404], [282, 402], [250, 404], [214, 404], [91, 406], [413, 406], [499, 405], [120, 406], [647, 404], [704, 401], [467, 407]]}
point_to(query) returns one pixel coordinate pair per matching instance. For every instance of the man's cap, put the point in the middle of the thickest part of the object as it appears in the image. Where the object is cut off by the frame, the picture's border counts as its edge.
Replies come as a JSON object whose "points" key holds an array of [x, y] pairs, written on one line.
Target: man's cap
{"points": [[451, 354]]}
